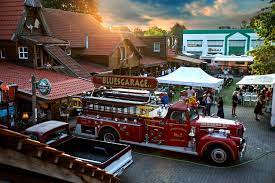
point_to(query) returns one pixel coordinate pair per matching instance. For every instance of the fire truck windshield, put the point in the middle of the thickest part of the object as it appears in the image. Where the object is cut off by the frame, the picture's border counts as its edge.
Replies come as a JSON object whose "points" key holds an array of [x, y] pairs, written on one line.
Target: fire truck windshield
{"points": [[193, 113]]}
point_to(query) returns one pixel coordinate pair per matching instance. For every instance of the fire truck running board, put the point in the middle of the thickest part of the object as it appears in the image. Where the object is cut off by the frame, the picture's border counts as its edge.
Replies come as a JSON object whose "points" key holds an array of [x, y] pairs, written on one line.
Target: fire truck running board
{"points": [[186, 150]]}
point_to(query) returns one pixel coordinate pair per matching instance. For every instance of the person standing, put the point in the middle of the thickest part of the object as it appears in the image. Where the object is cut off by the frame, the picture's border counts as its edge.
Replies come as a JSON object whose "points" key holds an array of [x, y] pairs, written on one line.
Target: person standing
{"points": [[258, 107], [208, 104], [220, 112], [191, 92], [234, 102]]}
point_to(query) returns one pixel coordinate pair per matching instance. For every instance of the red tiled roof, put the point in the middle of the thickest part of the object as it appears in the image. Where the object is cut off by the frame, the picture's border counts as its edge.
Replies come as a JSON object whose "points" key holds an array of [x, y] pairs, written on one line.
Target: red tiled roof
{"points": [[93, 68], [74, 27], [51, 155], [10, 14], [62, 86], [147, 61], [137, 42], [44, 40], [67, 61]]}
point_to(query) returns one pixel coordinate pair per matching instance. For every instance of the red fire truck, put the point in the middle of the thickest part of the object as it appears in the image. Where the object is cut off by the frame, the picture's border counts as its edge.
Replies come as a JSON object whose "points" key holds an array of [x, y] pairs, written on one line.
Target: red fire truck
{"points": [[177, 127]]}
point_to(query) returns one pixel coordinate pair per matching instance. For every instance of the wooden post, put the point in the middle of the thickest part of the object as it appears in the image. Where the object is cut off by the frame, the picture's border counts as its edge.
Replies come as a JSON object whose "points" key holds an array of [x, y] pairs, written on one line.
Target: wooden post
{"points": [[42, 57], [34, 109], [35, 56]]}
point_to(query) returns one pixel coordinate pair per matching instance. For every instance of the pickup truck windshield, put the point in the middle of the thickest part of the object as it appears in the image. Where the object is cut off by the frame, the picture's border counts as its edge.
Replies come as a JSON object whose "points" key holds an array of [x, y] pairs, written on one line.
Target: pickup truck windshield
{"points": [[56, 136], [193, 114]]}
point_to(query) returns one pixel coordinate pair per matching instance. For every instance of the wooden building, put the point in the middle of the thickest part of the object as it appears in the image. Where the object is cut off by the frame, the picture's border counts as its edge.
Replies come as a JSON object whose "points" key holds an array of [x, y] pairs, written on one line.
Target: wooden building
{"points": [[91, 43], [26, 40]]}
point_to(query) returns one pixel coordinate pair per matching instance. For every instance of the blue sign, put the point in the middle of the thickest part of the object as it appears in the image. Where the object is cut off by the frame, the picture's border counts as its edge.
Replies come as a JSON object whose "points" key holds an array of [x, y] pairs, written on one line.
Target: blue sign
{"points": [[3, 112]]}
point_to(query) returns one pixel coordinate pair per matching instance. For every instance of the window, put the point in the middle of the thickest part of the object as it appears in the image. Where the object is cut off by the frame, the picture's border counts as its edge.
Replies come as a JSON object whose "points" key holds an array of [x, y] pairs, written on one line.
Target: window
{"points": [[122, 53], [193, 114], [56, 136], [256, 43], [178, 116], [194, 43], [237, 43], [215, 43], [68, 51], [23, 52], [156, 46], [2, 53]]}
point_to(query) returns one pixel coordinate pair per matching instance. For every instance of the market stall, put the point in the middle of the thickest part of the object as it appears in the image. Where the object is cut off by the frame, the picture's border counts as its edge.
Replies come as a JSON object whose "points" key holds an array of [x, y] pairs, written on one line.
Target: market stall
{"points": [[268, 79], [191, 76]]}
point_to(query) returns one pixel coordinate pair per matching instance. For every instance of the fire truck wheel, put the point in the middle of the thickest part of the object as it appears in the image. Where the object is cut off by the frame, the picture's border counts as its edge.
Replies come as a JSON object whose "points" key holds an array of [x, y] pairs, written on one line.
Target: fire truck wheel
{"points": [[218, 155], [108, 135]]}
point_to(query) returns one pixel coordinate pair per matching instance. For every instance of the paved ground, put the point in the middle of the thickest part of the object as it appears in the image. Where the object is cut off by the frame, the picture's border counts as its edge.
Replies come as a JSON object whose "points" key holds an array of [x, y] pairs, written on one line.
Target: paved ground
{"points": [[258, 166]]}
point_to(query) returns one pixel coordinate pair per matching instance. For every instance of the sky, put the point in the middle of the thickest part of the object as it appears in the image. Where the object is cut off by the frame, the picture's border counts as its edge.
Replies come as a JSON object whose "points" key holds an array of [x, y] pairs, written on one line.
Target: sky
{"points": [[194, 14]]}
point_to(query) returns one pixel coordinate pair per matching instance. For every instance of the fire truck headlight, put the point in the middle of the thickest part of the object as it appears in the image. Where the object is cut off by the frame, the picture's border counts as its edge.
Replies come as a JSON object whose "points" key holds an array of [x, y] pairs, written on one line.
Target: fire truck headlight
{"points": [[241, 140], [210, 130]]}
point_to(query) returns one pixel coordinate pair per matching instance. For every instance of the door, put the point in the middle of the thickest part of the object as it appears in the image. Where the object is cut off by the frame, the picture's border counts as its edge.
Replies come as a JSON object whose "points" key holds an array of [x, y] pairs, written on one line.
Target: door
{"points": [[177, 129]]}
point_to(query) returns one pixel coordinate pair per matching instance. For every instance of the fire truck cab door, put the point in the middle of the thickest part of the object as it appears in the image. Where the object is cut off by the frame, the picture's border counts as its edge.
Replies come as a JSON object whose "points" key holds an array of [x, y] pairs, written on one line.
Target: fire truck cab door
{"points": [[177, 129]]}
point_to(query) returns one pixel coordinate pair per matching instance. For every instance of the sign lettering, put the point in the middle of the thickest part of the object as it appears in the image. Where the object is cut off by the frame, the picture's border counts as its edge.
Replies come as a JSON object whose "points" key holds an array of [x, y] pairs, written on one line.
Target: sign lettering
{"points": [[149, 83]]}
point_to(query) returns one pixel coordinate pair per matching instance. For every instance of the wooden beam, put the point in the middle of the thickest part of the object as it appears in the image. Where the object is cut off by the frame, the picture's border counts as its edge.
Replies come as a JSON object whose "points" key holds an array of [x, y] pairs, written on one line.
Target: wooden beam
{"points": [[35, 56], [19, 160]]}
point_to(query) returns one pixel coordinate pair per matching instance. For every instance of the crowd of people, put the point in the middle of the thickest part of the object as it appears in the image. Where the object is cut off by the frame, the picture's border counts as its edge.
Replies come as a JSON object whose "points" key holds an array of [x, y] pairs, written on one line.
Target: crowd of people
{"points": [[205, 97], [264, 99]]}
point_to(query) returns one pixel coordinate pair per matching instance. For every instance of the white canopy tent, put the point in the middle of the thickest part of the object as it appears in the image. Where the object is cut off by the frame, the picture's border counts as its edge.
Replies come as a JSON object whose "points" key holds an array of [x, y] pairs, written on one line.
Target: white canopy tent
{"points": [[191, 76], [268, 79]]}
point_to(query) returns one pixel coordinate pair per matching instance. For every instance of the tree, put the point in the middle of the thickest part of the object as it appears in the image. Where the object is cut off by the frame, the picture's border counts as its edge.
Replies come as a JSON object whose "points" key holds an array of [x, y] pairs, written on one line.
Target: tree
{"points": [[80, 6], [264, 60], [176, 33], [155, 31], [264, 56], [264, 23], [245, 25]]}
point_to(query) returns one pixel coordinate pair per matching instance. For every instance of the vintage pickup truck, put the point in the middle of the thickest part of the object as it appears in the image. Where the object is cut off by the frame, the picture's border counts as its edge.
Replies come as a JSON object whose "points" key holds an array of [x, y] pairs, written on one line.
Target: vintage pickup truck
{"points": [[112, 157]]}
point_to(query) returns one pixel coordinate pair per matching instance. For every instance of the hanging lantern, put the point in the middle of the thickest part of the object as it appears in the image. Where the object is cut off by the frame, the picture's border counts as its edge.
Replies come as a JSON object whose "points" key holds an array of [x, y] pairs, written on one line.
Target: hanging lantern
{"points": [[4, 87]]}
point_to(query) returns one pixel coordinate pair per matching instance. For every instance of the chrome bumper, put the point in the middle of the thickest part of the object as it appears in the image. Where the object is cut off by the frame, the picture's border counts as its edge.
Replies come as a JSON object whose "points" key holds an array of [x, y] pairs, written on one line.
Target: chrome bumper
{"points": [[242, 153]]}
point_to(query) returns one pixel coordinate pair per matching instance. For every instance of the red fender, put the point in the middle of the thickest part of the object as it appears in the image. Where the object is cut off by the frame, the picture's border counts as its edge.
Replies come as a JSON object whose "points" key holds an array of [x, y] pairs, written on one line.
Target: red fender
{"points": [[208, 140]]}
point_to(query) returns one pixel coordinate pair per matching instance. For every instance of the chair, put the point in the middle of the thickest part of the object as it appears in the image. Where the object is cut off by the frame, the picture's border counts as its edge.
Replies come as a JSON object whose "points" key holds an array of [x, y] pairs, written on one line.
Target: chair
{"points": [[247, 97], [254, 97]]}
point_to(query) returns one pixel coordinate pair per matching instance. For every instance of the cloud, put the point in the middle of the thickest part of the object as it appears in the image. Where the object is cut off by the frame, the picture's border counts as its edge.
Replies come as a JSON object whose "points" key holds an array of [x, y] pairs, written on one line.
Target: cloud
{"points": [[195, 14], [219, 7]]}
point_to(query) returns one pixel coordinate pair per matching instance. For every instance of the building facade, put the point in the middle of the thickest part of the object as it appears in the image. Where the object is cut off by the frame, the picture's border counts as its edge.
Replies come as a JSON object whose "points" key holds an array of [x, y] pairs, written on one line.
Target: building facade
{"points": [[222, 41]]}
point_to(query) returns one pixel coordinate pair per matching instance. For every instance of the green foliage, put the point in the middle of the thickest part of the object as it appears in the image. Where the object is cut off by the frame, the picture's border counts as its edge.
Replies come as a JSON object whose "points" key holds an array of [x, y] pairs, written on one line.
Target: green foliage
{"points": [[264, 23], [176, 31], [155, 31], [80, 6], [264, 60], [264, 56]]}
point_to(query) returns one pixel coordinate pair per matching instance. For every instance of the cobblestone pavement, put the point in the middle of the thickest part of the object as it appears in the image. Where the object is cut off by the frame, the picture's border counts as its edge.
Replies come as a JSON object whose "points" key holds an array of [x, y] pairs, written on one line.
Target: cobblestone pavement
{"points": [[154, 166]]}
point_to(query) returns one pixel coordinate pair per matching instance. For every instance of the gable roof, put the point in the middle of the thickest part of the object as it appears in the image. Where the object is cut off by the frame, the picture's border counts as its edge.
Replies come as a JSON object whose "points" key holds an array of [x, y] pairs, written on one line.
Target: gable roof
{"points": [[10, 14], [74, 27]]}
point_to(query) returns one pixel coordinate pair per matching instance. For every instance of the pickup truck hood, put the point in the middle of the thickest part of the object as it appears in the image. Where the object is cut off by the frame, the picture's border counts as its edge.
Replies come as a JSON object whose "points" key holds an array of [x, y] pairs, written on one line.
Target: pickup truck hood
{"points": [[211, 121]]}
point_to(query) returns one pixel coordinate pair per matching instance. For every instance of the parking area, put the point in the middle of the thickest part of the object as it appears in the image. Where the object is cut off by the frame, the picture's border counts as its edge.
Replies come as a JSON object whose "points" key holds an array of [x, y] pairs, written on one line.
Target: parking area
{"points": [[258, 165]]}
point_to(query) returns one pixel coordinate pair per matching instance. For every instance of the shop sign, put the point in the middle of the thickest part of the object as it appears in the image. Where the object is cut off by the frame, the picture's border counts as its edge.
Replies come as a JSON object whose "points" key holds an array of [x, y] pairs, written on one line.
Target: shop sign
{"points": [[44, 86], [133, 82], [214, 50]]}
